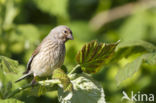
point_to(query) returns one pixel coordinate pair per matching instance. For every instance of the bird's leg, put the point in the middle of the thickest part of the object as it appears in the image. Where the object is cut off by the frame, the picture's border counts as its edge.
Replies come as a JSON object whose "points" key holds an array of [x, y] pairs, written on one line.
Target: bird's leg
{"points": [[34, 81]]}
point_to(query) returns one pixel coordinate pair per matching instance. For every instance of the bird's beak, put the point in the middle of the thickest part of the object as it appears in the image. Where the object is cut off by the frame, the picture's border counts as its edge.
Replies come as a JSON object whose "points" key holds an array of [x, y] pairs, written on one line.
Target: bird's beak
{"points": [[70, 37]]}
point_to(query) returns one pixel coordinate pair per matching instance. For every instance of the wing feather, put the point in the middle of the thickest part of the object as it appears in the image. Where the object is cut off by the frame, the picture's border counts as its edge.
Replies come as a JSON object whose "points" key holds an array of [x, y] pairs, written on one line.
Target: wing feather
{"points": [[31, 59]]}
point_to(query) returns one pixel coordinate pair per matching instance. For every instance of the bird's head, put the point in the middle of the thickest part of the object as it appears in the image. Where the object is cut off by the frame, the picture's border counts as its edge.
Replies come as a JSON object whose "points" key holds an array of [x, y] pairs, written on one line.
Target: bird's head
{"points": [[62, 33]]}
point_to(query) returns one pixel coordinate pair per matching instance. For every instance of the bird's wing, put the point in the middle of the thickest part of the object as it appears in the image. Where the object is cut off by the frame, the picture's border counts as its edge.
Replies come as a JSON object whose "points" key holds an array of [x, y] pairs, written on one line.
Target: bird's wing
{"points": [[31, 59]]}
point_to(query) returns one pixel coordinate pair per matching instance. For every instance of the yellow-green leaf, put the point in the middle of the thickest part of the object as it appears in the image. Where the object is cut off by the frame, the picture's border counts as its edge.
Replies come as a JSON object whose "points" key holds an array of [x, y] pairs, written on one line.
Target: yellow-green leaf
{"points": [[62, 76]]}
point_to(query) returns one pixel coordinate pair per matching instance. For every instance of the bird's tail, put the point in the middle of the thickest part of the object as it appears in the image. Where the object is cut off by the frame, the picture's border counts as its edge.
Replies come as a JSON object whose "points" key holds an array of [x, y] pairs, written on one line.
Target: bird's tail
{"points": [[24, 76]]}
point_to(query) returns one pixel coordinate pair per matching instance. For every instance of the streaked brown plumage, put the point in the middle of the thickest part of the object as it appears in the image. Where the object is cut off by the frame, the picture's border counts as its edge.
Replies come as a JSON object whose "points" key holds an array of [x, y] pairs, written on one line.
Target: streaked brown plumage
{"points": [[49, 55]]}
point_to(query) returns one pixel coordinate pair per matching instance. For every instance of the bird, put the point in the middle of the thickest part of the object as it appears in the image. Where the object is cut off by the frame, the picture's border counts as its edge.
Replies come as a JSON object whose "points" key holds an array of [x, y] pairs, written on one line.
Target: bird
{"points": [[50, 53]]}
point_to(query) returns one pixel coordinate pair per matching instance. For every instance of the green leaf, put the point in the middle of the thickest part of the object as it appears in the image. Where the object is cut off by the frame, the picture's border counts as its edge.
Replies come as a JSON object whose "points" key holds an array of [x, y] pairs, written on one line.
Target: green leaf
{"points": [[93, 55], [86, 90], [150, 58], [38, 90], [128, 70], [137, 43], [7, 68], [11, 101], [128, 48], [133, 67], [62, 76], [53, 7], [7, 64]]}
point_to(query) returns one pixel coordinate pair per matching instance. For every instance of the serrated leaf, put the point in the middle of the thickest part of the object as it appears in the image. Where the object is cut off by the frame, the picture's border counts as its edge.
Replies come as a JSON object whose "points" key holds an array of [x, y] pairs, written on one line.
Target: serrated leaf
{"points": [[7, 64], [86, 90], [62, 76], [11, 101], [93, 55]]}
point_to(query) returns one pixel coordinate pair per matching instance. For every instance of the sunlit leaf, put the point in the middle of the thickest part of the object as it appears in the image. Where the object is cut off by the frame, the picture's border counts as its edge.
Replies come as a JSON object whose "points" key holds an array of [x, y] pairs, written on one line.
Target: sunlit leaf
{"points": [[93, 55], [86, 90], [62, 76]]}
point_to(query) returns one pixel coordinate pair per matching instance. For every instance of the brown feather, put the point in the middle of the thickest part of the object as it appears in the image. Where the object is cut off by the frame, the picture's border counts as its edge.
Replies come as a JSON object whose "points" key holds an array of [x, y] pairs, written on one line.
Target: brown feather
{"points": [[31, 59]]}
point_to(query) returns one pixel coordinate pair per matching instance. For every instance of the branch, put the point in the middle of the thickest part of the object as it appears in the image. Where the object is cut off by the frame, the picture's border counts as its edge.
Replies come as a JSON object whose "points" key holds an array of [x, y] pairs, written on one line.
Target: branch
{"points": [[45, 83], [108, 16]]}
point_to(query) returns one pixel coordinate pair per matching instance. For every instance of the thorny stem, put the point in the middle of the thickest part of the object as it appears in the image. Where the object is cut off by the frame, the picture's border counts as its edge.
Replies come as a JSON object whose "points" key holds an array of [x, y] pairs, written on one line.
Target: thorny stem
{"points": [[45, 82]]}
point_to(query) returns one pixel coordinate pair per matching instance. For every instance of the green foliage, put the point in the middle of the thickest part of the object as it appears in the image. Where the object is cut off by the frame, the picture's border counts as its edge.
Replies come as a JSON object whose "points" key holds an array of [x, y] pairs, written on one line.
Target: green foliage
{"points": [[24, 23], [25, 31], [8, 13], [54, 7], [129, 69], [150, 58], [84, 87], [136, 44], [65, 81], [81, 30], [7, 64], [93, 55], [129, 29], [143, 21], [11, 101]]}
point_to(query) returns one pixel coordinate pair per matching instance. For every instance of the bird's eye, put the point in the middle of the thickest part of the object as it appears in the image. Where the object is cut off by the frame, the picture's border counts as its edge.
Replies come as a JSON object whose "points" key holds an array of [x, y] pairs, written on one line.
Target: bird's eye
{"points": [[65, 31]]}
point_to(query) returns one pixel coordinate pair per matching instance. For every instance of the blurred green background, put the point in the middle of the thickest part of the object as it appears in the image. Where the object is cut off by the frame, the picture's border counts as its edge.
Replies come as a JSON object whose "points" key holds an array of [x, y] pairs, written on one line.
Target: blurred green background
{"points": [[24, 23]]}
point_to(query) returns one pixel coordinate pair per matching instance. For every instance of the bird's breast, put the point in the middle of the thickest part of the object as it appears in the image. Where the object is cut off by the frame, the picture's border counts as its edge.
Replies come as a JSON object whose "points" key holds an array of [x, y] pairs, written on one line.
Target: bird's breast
{"points": [[50, 57]]}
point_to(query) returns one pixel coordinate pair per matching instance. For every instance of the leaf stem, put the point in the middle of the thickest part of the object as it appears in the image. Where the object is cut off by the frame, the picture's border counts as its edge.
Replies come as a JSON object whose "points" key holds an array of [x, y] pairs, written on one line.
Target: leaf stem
{"points": [[74, 69]]}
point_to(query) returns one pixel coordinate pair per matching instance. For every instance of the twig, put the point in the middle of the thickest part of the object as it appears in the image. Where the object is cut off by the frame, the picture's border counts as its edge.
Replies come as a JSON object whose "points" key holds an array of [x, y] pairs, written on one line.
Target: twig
{"points": [[46, 83], [105, 17], [74, 69]]}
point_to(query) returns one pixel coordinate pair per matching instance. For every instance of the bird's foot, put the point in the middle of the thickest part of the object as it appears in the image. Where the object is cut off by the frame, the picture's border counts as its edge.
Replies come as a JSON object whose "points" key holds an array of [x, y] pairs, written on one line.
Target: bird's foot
{"points": [[34, 81]]}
